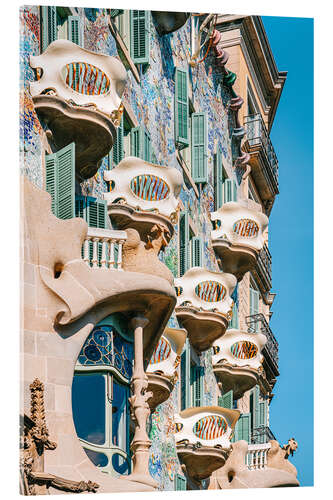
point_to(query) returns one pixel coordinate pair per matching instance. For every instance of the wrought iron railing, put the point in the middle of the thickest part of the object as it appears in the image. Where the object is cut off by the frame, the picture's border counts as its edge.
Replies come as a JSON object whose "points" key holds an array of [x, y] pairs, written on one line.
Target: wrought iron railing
{"points": [[257, 134], [264, 264], [257, 322], [262, 435]]}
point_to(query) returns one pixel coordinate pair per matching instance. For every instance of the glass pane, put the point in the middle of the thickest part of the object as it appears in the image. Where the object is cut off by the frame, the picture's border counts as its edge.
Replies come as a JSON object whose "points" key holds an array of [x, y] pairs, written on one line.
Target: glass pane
{"points": [[120, 417], [98, 459], [88, 401], [120, 464]]}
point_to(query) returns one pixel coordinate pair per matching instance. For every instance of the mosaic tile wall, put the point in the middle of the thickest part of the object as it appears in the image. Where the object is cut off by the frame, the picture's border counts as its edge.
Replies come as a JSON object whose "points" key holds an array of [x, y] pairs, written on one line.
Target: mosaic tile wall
{"points": [[152, 104]]}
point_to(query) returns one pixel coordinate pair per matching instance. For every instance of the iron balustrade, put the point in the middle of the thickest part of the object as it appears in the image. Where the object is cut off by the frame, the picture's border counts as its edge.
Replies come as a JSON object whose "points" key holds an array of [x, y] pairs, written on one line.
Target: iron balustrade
{"points": [[264, 264], [261, 435], [257, 322], [257, 135]]}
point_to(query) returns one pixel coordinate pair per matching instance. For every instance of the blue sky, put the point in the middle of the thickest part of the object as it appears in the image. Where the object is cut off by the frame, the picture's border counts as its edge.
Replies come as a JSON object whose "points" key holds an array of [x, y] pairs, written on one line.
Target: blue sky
{"points": [[291, 239]]}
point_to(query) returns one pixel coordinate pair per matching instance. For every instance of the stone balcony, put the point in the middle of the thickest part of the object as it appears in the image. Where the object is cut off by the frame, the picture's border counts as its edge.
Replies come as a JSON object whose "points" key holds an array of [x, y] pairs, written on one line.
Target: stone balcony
{"points": [[237, 237], [77, 97], [202, 438], [204, 305], [237, 360], [162, 368], [144, 196]]}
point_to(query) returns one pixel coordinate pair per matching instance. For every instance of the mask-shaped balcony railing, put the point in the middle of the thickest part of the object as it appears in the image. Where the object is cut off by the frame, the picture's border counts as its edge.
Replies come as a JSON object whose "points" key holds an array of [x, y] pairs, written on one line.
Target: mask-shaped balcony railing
{"points": [[202, 438], [204, 305], [237, 237], [143, 195], [256, 323], [78, 99], [168, 22], [162, 368], [237, 360], [264, 163]]}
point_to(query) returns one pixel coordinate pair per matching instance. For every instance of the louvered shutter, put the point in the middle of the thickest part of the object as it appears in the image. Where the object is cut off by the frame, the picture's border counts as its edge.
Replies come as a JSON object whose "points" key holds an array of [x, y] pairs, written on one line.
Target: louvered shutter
{"points": [[226, 401], [180, 483], [49, 26], [115, 12], [96, 216], [74, 30], [146, 146], [227, 190], [243, 428], [256, 410], [185, 373], [60, 181], [234, 323], [263, 419], [198, 379], [140, 28], [199, 147], [183, 243], [219, 179], [234, 192], [117, 153], [254, 306], [196, 251], [136, 142], [181, 108]]}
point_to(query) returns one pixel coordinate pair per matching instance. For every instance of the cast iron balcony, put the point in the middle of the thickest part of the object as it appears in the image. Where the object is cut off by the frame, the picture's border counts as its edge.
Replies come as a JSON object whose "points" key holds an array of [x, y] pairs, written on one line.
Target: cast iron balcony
{"points": [[162, 368], [262, 435], [143, 196], [257, 322], [263, 270], [204, 305], [237, 237], [202, 438], [264, 163], [237, 360], [77, 96]]}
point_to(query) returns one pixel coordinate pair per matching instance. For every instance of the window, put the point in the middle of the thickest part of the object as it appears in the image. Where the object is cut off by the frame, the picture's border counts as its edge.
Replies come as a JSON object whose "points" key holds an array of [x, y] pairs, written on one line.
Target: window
{"points": [[140, 36], [192, 378], [180, 483], [197, 251], [58, 23], [254, 301], [199, 147], [229, 191], [117, 152], [234, 323], [259, 411], [181, 109], [60, 181], [196, 383], [141, 143], [190, 246], [100, 394], [219, 177], [122, 21]]}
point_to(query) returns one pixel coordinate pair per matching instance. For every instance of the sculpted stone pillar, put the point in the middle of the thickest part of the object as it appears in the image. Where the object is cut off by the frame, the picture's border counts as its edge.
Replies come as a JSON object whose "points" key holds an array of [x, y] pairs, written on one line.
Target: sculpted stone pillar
{"points": [[140, 410]]}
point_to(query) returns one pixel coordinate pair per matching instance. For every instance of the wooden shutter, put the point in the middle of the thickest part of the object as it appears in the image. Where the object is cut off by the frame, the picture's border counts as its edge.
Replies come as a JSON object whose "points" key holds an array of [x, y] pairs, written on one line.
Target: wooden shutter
{"points": [[140, 28], [254, 304], [226, 401], [227, 190], [60, 181], [117, 153], [184, 236], [116, 12], [180, 483], [75, 30], [146, 146], [185, 373], [196, 251], [181, 108], [136, 142], [96, 213], [263, 419], [199, 147], [196, 382], [256, 409], [234, 191], [49, 26], [243, 428], [219, 179]]}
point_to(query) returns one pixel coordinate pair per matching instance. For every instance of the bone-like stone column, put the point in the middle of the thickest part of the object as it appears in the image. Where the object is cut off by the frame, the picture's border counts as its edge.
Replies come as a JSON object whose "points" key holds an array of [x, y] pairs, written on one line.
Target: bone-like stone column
{"points": [[140, 410]]}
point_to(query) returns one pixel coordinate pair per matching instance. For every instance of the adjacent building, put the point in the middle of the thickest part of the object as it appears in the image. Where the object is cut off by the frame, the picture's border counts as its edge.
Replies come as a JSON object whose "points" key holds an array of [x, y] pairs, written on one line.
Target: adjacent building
{"points": [[148, 179]]}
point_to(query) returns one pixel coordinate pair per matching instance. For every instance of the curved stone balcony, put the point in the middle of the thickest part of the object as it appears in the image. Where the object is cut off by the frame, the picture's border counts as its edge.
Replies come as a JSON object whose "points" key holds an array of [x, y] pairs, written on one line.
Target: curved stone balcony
{"points": [[162, 368], [168, 22], [204, 305], [237, 237], [143, 196], [77, 96], [202, 438], [237, 360]]}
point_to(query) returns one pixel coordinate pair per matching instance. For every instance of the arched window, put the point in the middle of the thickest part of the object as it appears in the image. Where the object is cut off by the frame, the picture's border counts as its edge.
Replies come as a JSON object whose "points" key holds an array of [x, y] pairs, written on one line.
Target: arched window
{"points": [[100, 395]]}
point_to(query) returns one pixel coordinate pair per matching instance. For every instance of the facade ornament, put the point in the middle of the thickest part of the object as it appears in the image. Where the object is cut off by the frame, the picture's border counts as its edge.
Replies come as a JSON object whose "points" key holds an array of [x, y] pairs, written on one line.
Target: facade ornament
{"points": [[290, 448]]}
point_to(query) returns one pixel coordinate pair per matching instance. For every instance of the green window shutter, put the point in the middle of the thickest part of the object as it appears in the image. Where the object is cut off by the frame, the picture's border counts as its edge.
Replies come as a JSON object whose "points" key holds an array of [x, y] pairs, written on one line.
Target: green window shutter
{"points": [[196, 382], [234, 191], [60, 181], [199, 147], [136, 142], [254, 301], [263, 413], [196, 251], [140, 35], [185, 372], [146, 146], [256, 409], [49, 26], [219, 179], [75, 31], [226, 401], [115, 12], [184, 237], [180, 483], [234, 323], [181, 108], [243, 428], [118, 146], [227, 190], [96, 213]]}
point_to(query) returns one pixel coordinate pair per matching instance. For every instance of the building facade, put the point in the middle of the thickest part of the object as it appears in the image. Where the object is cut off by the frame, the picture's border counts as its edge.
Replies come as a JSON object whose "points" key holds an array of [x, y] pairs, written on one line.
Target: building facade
{"points": [[148, 178]]}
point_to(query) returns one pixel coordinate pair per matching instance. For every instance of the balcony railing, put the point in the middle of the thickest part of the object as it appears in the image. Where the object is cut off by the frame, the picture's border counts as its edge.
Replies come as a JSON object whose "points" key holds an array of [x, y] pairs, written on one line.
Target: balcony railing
{"points": [[264, 264], [103, 248], [257, 135], [262, 435], [257, 322], [256, 458]]}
